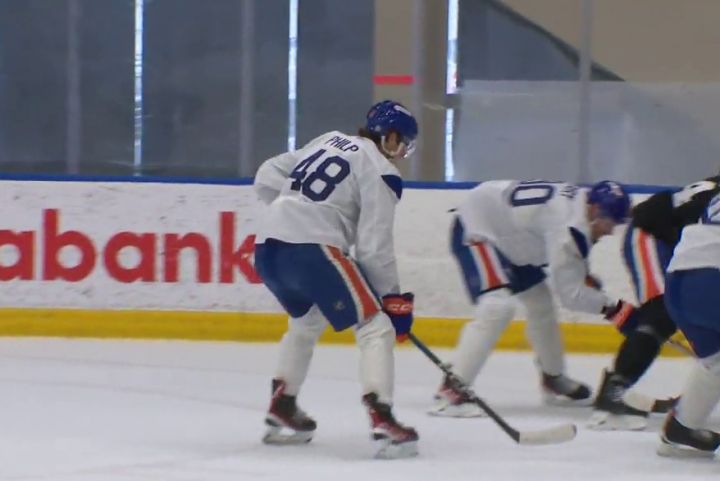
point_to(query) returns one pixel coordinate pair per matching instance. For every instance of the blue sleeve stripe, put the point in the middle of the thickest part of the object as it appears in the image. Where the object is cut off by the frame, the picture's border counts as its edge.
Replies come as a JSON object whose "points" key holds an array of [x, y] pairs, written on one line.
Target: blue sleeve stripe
{"points": [[395, 183], [580, 242]]}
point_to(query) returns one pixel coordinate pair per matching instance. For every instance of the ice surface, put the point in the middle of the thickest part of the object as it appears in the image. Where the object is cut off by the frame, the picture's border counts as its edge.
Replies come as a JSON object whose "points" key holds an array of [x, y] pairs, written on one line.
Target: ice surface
{"points": [[157, 411]]}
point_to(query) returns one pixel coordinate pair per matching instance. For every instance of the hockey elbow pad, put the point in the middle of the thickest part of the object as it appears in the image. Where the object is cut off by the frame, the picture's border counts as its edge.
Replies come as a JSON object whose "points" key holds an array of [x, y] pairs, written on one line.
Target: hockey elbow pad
{"points": [[399, 308]]}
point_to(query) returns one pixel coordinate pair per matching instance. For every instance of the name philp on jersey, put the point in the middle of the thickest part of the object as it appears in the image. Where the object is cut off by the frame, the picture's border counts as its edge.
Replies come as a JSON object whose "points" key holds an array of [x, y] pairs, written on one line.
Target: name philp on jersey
{"points": [[342, 143]]}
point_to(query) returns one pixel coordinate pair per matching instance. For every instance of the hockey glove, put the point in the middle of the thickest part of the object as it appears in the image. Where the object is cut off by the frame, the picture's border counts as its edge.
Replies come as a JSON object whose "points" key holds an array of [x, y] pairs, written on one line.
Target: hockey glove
{"points": [[399, 307], [623, 315]]}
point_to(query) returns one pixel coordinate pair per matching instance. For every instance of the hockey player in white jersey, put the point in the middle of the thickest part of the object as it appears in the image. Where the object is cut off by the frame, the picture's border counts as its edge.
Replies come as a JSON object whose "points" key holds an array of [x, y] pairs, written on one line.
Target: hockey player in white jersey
{"points": [[693, 281], [336, 193], [504, 233]]}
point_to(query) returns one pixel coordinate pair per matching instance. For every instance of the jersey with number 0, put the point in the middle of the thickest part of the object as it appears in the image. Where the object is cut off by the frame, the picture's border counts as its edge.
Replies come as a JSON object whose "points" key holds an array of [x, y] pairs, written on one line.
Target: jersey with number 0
{"points": [[337, 190], [537, 223]]}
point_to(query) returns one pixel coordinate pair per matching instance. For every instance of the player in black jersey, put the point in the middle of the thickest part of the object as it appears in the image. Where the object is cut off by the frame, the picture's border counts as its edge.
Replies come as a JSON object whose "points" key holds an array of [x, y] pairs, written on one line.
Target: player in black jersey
{"points": [[650, 239]]}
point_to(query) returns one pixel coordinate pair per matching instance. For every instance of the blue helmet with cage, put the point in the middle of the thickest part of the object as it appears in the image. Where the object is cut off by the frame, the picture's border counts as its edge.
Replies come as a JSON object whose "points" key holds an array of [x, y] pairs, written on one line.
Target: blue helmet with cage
{"points": [[390, 116], [611, 198]]}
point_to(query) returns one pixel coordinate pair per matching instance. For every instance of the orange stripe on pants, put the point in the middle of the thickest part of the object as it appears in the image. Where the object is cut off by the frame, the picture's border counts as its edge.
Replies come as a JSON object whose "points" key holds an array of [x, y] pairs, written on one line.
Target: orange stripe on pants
{"points": [[493, 280], [651, 288], [368, 302]]}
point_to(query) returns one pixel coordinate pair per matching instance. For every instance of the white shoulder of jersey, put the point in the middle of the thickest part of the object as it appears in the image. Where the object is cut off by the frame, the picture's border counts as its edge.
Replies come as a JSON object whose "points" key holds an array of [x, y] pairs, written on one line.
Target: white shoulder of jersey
{"points": [[370, 165], [377, 159], [699, 245], [322, 140]]}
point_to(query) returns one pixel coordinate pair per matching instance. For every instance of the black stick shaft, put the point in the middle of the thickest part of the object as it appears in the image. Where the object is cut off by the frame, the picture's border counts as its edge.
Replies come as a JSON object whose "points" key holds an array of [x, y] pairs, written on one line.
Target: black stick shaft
{"points": [[512, 432]]}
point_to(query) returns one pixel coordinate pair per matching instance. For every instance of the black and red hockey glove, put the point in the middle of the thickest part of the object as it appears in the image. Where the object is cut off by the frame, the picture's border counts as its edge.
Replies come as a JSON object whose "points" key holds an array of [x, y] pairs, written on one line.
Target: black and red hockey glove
{"points": [[623, 315]]}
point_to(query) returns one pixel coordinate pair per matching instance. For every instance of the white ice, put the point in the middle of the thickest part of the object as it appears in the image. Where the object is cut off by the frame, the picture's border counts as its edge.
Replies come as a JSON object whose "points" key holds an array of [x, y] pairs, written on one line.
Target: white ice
{"points": [[86, 410]]}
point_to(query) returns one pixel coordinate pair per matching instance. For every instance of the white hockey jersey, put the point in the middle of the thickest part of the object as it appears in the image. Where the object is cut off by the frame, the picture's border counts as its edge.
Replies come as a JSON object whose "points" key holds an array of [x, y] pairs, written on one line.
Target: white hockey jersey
{"points": [[337, 190], [699, 245], [537, 223]]}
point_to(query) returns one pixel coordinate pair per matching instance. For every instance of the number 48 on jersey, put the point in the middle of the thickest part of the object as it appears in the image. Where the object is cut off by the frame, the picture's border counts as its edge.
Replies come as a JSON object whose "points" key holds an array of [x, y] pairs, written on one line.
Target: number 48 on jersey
{"points": [[317, 181]]}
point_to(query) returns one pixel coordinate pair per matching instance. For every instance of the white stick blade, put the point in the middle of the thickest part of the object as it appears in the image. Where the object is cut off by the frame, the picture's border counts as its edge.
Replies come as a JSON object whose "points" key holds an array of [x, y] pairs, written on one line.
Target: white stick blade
{"points": [[560, 434]]}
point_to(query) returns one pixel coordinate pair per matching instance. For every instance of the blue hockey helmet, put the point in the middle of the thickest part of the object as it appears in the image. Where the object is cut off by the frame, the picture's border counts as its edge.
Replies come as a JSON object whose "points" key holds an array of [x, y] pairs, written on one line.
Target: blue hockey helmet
{"points": [[611, 198], [390, 116]]}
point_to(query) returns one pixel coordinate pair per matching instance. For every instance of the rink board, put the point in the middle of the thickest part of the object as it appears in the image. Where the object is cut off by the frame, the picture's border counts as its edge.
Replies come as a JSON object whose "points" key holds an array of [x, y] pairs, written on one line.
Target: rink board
{"points": [[258, 327], [141, 258]]}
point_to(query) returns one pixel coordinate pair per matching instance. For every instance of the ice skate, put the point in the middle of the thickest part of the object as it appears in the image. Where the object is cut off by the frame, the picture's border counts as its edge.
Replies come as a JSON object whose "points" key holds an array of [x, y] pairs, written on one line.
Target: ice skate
{"points": [[664, 406], [392, 439], [677, 440], [452, 401], [563, 391], [612, 412], [286, 423]]}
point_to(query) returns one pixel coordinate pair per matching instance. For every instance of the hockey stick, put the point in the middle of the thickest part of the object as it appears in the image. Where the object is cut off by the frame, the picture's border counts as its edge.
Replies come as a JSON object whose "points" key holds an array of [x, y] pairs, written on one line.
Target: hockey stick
{"points": [[559, 434], [680, 347]]}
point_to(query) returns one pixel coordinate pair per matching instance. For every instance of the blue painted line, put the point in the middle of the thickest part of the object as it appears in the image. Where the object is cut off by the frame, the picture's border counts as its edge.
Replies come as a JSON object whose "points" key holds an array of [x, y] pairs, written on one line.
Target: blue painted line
{"points": [[411, 184]]}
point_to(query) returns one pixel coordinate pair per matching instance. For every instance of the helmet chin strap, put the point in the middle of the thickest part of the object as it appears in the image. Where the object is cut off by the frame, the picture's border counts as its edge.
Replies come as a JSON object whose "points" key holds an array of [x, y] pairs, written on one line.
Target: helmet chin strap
{"points": [[391, 154]]}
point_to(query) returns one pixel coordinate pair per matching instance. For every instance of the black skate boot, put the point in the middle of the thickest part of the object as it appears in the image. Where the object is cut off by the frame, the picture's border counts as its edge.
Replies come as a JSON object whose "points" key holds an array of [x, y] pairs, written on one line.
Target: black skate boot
{"points": [[677, 440], [453, 401], [612, 412], [287, 424], [392, 438], [561, 390]]}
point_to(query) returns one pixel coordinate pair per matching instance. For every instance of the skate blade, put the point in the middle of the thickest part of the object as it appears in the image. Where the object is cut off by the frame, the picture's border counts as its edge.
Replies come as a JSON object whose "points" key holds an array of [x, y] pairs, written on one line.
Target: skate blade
{"points": [[605, 421], [667, 449], [278, 436], [385, 449], [552, 399], [443, 408]]}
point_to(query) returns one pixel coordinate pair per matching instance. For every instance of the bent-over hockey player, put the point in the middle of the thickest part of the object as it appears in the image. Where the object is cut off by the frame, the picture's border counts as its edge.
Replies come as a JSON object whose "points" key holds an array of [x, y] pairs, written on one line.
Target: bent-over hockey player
{"points": [[693, 281], [338, 191], [649, 242], [503, 235]]}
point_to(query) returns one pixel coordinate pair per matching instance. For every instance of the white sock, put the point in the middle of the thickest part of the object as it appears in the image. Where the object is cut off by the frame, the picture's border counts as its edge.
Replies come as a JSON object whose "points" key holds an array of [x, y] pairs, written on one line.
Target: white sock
{"points": [[543, 330], [376, 340], [493, 312], [701, 393], [296, 349]]}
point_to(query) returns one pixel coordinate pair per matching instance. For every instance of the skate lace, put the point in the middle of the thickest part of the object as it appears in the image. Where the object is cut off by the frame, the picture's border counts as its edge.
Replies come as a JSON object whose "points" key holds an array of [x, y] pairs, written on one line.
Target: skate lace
{"points": [[382, 416], [456, 391], [615, 392], [460, 395], [561, 384], [387, 422], [299, 414]]}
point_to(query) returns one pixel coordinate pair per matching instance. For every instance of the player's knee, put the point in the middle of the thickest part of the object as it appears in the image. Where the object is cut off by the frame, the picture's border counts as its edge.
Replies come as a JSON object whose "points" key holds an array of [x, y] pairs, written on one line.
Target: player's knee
{"points": [[378, 327], [310, 325], [495, 306], [539, 304], [655, 319]]}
